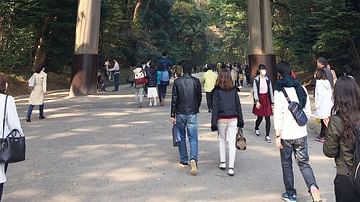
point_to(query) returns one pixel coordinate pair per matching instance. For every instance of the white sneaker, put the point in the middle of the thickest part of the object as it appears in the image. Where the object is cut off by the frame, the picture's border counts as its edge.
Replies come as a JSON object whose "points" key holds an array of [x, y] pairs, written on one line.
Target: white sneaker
{"points": [[268, 139], [231, 172], [150, 104], [257, 132], [222, 166]]}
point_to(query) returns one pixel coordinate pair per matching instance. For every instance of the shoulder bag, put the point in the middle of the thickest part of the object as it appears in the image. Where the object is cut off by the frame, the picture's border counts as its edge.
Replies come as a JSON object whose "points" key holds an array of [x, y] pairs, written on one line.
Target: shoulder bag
{"points": [[12, 147], [295, 109]]}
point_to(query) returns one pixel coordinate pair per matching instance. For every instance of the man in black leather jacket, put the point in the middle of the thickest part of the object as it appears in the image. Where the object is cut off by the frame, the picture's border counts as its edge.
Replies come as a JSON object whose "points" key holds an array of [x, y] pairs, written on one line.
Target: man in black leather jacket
{"points": [[185, 103]]}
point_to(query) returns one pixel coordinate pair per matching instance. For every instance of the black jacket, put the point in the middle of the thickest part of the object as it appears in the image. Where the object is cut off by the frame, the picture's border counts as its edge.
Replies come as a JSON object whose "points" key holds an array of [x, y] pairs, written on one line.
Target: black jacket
{"points": [[186, 95], [151, 75], [226, 104]]}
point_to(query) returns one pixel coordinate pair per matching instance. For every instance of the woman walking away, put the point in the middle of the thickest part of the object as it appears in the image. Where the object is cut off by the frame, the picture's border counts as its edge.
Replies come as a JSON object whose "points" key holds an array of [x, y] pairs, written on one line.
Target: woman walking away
{"points": [[226, 117], [263, 101], [12, 121], [152, 86], [290, 137], [323, 101], [38, 93], [340, 136]]}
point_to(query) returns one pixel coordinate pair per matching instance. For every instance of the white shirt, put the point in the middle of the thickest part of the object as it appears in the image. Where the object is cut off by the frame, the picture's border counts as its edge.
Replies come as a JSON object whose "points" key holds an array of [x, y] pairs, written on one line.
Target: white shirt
{"points": [[284, 120], [323, 99], [263, 88], [116, 68], [12, 121]]}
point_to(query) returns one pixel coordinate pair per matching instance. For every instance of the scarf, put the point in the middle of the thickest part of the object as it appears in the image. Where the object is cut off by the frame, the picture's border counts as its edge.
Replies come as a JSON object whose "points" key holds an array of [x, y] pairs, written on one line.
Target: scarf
{"points": [[288, 81]]}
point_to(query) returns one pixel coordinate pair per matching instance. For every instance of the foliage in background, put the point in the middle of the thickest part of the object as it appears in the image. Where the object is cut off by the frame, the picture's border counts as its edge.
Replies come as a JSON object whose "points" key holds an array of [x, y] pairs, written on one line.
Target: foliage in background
{"points": [[198, 30]]}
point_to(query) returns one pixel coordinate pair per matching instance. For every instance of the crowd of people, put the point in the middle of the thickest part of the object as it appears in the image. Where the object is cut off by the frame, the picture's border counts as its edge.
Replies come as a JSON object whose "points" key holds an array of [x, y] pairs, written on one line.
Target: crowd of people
{"points": [[337, 105]]}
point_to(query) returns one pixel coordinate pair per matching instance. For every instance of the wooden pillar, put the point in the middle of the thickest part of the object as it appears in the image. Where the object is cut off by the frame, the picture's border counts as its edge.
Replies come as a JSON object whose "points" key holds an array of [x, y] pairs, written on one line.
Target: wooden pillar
{"points": [[260, 35], [85, 59]]}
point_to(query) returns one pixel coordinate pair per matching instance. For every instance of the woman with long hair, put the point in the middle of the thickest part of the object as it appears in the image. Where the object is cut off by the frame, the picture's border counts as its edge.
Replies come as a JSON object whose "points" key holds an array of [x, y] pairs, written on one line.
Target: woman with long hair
{"points": [[340, 137], [226, 117], [323, 101], [12, 121]]}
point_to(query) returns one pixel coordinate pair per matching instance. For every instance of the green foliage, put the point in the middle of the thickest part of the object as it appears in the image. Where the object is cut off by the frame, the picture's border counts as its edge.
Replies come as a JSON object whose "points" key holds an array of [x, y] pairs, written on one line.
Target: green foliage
{"points": [[304, 30], [197, 30]]}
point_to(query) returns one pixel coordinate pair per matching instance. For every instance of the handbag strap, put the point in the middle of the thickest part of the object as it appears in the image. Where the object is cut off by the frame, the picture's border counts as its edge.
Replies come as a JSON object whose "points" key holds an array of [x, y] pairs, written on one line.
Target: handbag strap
{"points": [[4, 116], [286, 95]]}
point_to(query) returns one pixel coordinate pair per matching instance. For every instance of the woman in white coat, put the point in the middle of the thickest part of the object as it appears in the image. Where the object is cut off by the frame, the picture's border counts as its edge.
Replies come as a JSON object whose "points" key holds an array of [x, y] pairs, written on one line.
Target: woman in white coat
{"points": [[323, 101], [38, 93], [12, 121]]}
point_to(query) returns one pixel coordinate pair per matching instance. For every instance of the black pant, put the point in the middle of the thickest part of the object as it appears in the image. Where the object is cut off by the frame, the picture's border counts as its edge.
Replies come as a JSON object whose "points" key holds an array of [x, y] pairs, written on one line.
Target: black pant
{"points": [[323, 128], [268, 124], [2, 184], [209, 100], [344, 192]]}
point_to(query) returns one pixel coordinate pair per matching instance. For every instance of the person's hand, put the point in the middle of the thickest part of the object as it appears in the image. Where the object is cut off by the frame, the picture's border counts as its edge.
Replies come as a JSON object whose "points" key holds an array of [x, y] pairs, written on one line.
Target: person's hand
{"points": [[258, 105], [326, 121], [278, 142], [173, 120]]}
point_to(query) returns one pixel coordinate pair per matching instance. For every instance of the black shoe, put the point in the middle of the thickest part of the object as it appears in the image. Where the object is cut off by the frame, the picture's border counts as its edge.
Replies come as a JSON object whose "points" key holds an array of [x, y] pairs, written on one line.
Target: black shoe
{"points": [[28, 120], [41, 117]]}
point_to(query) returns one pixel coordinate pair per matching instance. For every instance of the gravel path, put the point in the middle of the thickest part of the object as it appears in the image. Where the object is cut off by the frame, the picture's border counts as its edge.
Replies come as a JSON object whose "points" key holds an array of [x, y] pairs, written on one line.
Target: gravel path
{"points": [[102, 148]]}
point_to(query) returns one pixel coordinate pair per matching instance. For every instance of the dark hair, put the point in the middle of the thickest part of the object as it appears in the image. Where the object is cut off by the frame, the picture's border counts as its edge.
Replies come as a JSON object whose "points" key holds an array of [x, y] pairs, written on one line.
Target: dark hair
{"points": [[262, 66], [321, 74], [3, 81], [164, 54], [224, 80], [322, 61], [161, 67], [186, 67], [39, 67], [347, 105], [283, 68]]}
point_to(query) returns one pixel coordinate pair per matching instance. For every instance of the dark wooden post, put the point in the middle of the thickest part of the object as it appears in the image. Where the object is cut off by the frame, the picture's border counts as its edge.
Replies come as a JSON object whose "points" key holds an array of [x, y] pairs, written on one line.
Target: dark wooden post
{"points": [[85, 59], [261, 43]]}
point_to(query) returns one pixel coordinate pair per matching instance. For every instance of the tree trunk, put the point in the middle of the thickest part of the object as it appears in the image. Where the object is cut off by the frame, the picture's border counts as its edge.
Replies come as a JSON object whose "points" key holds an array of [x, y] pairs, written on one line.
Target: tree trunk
{"points": [[356, 52], [40, 54], [136, 11]]}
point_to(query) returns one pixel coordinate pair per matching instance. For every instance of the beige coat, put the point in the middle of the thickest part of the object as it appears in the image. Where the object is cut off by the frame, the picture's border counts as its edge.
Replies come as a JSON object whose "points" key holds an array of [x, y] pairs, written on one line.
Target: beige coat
{"points": [[38, 93]]}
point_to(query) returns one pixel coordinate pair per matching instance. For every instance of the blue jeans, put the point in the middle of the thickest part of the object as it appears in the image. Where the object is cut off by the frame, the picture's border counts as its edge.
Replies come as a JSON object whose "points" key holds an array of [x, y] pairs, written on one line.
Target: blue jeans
{"points": [[300, 149], [188, 122], [31, 107], [116, 82]]}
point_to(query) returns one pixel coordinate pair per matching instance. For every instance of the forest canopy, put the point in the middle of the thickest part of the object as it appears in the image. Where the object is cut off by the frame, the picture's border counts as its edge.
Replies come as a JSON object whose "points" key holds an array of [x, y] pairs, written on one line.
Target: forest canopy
{"points": [[203, 31]]}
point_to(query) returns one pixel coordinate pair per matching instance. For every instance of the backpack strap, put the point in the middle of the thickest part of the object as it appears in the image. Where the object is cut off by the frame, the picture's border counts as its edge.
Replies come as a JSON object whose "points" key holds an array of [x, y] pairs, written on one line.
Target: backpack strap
{"points": [[286, 95]]}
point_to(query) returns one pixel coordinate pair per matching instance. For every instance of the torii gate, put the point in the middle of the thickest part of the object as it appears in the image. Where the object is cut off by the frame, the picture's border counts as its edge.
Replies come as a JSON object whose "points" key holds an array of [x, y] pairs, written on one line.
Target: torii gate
{"points": [[85, 60]]}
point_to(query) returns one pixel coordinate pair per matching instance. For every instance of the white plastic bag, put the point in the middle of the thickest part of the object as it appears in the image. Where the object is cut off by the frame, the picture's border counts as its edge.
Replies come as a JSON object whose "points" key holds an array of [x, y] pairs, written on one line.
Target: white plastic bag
{"points": [[31, 81]]}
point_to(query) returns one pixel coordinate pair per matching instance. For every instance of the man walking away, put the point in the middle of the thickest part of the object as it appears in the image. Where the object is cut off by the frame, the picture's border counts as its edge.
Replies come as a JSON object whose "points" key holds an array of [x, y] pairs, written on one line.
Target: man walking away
{"points": [[185, 104], [209, 81]]}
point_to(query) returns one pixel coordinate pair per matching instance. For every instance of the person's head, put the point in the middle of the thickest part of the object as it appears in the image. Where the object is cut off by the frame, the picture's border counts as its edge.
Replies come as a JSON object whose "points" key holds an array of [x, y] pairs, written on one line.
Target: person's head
{"points": [[262, 70], [3, 83], [347, 70], [186, 67], [283, 69], [224, 80], [39, 68], [321, 74], [163, 54], [321, 62], [347, 104]]}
